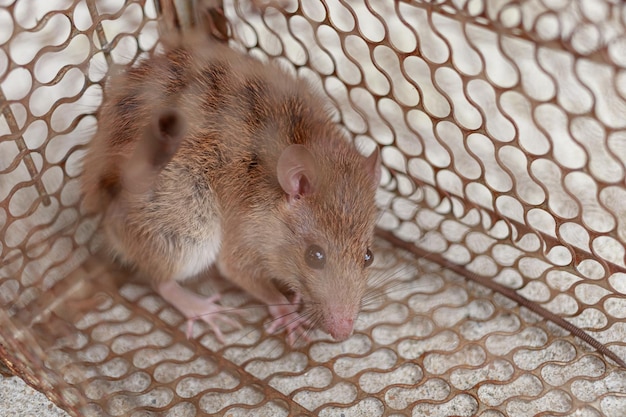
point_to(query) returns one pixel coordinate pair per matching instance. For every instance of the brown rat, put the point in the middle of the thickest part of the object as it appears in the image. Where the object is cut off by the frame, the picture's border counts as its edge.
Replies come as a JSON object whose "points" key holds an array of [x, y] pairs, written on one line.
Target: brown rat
{"points": [[245, 170]]}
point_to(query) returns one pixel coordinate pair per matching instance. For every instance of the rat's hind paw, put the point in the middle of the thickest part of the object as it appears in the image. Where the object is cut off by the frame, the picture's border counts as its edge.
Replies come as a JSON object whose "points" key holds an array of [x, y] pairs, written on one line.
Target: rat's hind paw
{"points": [[195, 307], [212, 313]]}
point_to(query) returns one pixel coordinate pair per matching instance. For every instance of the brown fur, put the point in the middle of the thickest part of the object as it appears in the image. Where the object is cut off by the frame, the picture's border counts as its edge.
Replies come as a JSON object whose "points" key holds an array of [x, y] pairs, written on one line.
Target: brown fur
{"points": [[240, 115]]}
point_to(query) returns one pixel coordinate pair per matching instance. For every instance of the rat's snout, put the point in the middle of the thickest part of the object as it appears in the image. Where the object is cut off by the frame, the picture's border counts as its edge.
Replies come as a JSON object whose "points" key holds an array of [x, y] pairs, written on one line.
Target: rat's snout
{"points": [[340, 325]]}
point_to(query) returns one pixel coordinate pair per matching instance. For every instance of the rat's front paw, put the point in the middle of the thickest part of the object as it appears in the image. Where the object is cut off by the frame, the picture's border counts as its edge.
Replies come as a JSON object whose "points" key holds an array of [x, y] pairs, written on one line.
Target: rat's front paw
{"points": [[287, 318]]}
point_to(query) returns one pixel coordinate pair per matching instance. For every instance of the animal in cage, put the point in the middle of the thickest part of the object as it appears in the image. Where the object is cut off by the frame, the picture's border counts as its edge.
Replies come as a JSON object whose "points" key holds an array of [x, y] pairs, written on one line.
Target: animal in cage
{"points": [[247, 170]]}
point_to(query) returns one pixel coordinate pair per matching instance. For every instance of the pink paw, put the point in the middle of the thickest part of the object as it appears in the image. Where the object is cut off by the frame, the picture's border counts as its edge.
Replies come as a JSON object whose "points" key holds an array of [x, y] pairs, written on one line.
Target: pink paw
{"points": [[286, 317], [195, 307], [211, 313]]}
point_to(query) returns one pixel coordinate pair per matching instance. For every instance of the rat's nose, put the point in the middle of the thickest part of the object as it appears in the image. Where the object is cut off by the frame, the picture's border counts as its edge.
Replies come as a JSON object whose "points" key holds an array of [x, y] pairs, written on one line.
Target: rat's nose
{"points": [[340, 327]]}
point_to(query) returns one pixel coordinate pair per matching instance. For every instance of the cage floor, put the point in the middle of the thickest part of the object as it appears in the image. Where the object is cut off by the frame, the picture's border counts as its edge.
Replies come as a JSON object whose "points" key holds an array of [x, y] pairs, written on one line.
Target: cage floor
{"points": [[427, 342]]}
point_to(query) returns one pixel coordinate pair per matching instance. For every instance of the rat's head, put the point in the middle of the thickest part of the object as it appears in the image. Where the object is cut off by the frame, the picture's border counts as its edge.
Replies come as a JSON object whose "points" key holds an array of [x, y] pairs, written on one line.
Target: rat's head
{"points": [[329, 209]]}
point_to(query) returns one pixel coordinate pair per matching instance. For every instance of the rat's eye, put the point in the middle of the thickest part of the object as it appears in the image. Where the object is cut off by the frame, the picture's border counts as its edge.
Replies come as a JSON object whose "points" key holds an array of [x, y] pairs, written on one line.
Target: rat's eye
{"points": [[315, 257], [369, 258]]}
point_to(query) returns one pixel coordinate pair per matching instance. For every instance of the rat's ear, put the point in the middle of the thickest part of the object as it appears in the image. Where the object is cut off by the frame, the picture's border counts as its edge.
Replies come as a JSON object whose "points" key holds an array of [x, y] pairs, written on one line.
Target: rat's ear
{"points": [[373, 164], [296, 171]]}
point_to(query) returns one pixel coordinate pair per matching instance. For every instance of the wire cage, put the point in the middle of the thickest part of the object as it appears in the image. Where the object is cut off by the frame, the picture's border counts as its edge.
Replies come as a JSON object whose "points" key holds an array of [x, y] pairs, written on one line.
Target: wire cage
{"points": [[502, 129]]}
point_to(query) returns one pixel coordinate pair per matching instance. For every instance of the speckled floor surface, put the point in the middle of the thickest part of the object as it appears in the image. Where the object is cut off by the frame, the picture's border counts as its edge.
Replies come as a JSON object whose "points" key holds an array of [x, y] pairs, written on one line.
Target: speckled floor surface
{"points": [[20, 400]]}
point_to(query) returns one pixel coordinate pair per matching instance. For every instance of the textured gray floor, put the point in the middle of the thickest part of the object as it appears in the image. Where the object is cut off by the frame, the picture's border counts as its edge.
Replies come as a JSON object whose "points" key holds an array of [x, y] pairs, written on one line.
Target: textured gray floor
{"points": [[19, 400]]}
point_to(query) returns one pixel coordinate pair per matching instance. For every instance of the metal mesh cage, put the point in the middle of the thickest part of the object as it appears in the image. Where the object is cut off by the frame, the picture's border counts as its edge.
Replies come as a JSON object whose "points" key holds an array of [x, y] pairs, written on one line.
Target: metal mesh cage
{"points": [[502, 126]]}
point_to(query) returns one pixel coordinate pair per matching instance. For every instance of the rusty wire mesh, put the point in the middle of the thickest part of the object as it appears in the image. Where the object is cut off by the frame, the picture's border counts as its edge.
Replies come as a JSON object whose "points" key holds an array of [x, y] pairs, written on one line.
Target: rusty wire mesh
{"points": [[503, 134]]}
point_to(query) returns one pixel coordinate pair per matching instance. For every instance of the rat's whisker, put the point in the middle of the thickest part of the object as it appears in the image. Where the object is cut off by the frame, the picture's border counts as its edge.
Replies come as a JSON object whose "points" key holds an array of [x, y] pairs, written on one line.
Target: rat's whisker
{"points": [[274, 305], [382, 275], [301, 333], [387, 282], [235, 310], [371, 298], [384, 279], [281, 317]]}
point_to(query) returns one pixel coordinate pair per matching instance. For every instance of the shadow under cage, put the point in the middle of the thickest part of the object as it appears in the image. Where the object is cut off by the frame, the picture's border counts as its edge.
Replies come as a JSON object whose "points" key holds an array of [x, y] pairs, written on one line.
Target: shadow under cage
{"points": [[502, 131]]}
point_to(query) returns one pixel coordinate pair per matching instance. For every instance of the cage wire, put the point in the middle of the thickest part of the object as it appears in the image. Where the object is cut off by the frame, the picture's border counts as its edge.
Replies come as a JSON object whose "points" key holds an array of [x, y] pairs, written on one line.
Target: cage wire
{"points": [[502, 126]]}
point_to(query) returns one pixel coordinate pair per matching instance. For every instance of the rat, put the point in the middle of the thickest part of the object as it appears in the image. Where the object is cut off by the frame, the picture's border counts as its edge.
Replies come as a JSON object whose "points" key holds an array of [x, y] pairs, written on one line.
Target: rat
{"points": [[207, 156]]}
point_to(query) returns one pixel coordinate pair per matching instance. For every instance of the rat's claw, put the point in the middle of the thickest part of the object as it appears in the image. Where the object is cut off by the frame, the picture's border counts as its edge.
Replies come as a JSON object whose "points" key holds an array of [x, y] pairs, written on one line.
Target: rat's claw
{"points": [[211, 314], [216, 329], [287, 318], [297, 331]]}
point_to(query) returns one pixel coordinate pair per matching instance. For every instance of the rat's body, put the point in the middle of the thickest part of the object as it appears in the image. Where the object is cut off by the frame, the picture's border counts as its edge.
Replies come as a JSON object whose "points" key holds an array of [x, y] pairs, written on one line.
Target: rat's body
{"points": [[258, 183]]}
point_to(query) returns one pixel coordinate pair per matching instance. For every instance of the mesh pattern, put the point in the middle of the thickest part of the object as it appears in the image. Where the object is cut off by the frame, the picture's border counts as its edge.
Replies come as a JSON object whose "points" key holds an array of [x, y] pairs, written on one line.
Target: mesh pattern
{"points": [[503, 135]]}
